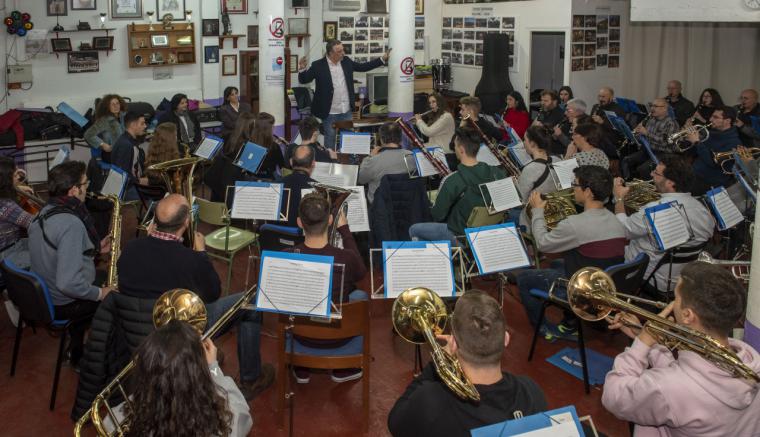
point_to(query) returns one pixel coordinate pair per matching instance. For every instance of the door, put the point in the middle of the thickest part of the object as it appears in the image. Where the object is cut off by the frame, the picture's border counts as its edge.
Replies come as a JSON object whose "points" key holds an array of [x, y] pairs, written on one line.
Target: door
{"points": [[249, 78], [547, 64]]}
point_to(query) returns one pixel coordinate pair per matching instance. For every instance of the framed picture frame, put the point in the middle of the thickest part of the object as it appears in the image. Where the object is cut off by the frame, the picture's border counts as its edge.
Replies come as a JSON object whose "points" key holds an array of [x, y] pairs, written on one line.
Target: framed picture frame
{"points": [[102, 42], [186, 40], [124, 9], [298, 26], [293, 63], [186, 58], [235, 6], [253, 36], [419, 7], [175, 7], [84, 5], [161, 40], [83, 62], [211, 54], [229, 65], [330, 30], [210, 27], [57, 8], [60, 44]]}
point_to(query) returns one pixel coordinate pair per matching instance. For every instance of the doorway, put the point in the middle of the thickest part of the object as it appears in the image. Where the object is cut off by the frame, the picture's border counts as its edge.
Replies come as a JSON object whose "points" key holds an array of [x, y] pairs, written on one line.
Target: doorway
{"points": [[547, 62]]}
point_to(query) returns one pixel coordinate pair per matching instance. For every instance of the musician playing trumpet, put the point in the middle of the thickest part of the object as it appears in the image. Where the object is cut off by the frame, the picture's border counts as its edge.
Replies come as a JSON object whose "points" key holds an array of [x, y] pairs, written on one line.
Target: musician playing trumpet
{"points": [[657, 127], [437, 124], [688, 395], [724, 136]]}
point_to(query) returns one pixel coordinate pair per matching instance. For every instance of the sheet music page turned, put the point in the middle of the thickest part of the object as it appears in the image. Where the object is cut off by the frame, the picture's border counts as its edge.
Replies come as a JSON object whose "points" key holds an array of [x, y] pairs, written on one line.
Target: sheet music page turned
{"points": [[564, 171], [355, 143], [668, 225], [357, 214], [409, 264], [497, 248], [257, 200], [727, 212], [277, 292], [503, 194]]}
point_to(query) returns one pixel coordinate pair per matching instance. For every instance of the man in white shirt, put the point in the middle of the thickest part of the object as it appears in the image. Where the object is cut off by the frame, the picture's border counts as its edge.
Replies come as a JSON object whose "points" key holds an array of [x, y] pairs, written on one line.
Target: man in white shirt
{"points": [[334, 91], [673, 178]]}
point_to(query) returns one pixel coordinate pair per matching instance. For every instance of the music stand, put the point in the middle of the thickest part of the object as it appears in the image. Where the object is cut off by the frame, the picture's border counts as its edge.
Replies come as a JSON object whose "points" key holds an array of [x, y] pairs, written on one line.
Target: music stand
{"points": [[378, 292], [286, 201]]}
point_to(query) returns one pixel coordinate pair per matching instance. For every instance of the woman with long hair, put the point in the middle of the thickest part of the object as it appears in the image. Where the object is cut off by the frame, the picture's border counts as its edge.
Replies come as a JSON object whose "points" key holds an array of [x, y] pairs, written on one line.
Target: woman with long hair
{"points": [[438, 124], [585, 146], [223, 171], [708, 101], [515, 115], [107, 127], [163, 147], [565, 95], [263, 136], [231, 109], [181, 391], [14, 221]]}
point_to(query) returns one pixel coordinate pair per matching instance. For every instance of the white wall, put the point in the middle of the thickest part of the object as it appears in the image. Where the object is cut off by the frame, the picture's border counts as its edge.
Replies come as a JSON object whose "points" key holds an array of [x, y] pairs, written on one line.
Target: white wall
{"points": [[692, 10]]}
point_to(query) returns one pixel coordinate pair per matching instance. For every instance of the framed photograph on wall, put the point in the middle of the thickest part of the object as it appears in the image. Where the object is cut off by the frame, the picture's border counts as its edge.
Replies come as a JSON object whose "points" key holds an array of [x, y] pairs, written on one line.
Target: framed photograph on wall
{"points": [[159, 40], [253, 36], [229, 65], [84, 5], [298, 26], [210, 26], [235, 6], [126, 9], [211, 54], [293, 63], [102, 42], [419, 7], [61, 44], [330, 30], [57, 8], [83, 62], [174, 7]]}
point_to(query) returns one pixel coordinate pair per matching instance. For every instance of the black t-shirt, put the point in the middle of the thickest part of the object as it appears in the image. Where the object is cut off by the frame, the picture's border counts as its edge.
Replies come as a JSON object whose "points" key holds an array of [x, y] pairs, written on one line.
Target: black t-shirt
{"points": [[429, 408]]}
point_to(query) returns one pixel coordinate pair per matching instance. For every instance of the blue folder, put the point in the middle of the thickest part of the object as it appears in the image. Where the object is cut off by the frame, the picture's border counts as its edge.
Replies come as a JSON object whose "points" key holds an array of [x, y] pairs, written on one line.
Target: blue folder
{"points": [[526, 424], [72, 113], [251, 157]]}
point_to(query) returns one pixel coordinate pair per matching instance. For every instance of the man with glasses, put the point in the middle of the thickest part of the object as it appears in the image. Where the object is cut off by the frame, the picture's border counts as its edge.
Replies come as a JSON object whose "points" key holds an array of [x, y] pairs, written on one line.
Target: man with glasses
{"points": [[724, 136], [63, 245], [682, 107], [748, 108], [611, 137], [656, 130], [673, 178]]}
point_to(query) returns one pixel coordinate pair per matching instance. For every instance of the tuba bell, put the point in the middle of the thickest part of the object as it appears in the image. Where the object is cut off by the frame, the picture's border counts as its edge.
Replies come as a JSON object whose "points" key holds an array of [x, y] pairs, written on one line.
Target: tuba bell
{"points": [[178, 178], [337, 197], [418, 315]]}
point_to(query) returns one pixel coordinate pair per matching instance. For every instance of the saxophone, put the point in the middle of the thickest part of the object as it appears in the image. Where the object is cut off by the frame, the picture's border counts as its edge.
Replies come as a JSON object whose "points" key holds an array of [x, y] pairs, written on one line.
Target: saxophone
{"points": [[113, 277]]}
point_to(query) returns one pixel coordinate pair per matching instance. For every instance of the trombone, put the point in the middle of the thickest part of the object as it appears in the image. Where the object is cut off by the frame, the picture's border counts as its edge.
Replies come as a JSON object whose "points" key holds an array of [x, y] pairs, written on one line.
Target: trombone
{"points": [[740, 269], [678, 137]]}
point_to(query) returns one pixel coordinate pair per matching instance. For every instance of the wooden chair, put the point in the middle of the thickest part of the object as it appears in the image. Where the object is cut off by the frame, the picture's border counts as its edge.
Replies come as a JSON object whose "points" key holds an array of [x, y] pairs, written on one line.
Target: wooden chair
{"points": [[355, 354]]}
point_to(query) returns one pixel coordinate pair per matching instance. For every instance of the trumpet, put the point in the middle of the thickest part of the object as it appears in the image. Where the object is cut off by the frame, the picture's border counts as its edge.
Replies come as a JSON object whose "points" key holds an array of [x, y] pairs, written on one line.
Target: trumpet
{"points": [[740, 269], [678, 137], [729, 157]]}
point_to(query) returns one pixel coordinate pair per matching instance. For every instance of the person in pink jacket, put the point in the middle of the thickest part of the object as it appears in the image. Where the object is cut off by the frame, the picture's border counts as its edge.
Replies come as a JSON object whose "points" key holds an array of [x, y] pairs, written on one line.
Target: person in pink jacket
{"points": [[687, 396]]}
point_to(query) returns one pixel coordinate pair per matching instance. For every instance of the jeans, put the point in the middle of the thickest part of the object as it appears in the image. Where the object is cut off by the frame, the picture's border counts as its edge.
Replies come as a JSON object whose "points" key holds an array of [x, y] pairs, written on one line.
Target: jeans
{"points": [[432, 232], [327, 125], [541, 279], [249, 334], [82, 311]]}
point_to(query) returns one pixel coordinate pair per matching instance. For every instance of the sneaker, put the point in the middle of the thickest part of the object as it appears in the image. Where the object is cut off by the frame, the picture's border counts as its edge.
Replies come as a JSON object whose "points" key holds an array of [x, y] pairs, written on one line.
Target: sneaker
{"points": [[302, 375], [253, 388], [344, 375], [561, 332]]}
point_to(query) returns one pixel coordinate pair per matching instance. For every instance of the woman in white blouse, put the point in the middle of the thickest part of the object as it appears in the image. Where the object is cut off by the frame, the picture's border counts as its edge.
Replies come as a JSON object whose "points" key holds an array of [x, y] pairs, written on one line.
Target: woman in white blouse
{"points": [[437, 124], [583, 148]]}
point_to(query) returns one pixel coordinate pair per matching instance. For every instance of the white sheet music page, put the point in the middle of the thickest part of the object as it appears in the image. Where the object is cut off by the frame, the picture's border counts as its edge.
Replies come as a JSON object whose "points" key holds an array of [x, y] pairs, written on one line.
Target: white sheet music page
{"points": [[504, 194], [424, 167], [321, 168], [729, 214], [497, 248], [61, 156], [114, 184], [207, 147], [486, 156], [668, 225], [350, 172], [520, 154], [331, 179], [564, 171], [409, 264], [257, 201], [357, 214], [278, 292], [565, 429], [356, 143]]}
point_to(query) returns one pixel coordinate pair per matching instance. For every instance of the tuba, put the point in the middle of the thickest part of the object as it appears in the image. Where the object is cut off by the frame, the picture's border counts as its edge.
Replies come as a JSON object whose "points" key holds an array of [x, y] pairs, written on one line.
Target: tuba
{"points": [[591, 295], [113, 278], [418, 315], [337, 197], [559, 205], [178, 178], [640, 193], [177, 304]]}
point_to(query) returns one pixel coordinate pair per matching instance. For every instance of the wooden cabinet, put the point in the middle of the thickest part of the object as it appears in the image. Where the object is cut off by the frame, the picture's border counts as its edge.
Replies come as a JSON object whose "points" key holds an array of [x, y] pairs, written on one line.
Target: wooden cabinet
{"points": [[159, 47], [249, 78]]}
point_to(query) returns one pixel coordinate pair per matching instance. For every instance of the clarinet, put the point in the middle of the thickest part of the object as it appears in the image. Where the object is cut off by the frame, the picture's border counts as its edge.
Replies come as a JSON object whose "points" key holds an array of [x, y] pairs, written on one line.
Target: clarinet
{"points": [[504, 162], [438, 165]]}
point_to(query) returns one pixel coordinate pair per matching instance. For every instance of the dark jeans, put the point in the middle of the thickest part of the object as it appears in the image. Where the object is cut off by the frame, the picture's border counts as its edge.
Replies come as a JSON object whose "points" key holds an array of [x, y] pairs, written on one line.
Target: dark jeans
{"points": [[82, 311], [249, 334]]}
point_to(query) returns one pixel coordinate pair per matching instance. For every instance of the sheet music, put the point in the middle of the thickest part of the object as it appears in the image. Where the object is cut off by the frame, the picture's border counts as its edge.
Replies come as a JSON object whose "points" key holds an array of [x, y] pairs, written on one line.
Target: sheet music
{"points": [[257, 200], [277, 293], [410, 264], [504, 194], [520, 154], [356, 143], [668, 225], [424, 167], [62, 156], [335, 174], [208, 147], [357, 214], [115, 182], [486, 156], [564, 171], [514, 139], [497, 248], [725, 210]]}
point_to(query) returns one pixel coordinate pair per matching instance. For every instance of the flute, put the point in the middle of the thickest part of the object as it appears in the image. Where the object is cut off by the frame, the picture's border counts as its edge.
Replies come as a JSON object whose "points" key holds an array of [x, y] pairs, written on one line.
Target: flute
{"points": [[421, 115]]}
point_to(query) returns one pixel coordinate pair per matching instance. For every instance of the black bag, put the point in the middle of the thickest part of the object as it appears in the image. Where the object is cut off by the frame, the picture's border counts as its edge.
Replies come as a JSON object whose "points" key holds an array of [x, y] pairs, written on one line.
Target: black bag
{"points": [[48, 126]]}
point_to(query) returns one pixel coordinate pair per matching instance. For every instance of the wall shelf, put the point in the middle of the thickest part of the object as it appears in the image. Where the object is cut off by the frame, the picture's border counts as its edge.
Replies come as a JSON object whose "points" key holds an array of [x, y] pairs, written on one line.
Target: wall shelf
{"points": [[234, 39], [143, 54]]}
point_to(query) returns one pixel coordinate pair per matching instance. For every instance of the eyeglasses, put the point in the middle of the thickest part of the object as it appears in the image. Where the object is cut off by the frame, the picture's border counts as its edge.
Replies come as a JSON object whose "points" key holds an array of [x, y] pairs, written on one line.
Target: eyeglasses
{"points": [[659, 106], [577, 185]]}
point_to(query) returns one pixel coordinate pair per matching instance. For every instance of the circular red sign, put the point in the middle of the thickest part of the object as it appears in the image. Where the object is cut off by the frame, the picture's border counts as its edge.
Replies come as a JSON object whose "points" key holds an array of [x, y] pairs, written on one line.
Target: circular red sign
{"points": [[277, 27], [407, 65], [279, 60]]}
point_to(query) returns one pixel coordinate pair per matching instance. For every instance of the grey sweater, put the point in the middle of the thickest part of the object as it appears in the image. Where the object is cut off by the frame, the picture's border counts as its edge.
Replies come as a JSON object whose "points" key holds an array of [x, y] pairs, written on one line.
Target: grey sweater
{"points": [[576, 230], [388, 161], [68, 273]]}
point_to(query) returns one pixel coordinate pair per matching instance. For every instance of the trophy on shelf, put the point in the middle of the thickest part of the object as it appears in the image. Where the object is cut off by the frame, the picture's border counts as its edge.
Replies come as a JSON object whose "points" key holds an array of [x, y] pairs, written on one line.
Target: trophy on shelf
{"points": [[167, 21], [226, 23], [102, 20], [150, 19], [189, 17]]}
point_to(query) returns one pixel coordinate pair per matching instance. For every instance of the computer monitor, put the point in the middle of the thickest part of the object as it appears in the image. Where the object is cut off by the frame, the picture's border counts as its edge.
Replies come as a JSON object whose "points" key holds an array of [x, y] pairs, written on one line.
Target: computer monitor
{"points": [[377, 87]]}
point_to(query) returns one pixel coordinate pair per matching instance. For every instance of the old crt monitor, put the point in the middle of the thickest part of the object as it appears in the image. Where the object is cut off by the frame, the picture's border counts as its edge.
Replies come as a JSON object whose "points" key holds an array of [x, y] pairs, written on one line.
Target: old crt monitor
{"points": [[377, 87]]}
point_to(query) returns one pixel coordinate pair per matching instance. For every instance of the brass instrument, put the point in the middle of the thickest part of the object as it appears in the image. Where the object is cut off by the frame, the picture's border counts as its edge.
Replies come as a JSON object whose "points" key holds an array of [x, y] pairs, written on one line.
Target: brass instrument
{"points": [[178, 178], [728, 157], [559, 205], [418, 315], [678, 137], [504, 161], [640, 193], [337, 198], [440, 167], [176, 304], [112, 279], [740, 269], [591, 295]]}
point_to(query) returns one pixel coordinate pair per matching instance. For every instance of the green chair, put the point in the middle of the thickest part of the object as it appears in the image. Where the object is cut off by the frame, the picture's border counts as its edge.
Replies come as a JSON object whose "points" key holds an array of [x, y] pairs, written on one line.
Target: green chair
{"points": [[228, 240]]}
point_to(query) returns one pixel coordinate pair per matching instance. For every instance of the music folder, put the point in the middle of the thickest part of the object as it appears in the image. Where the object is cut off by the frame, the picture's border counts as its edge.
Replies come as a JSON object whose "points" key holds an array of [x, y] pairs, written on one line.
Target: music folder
{"points": [[251, 157], [562, 422], [500, 195], [724, 209], [210, 144], [277, 293], [486, 156], [497, 248], [257, 200], [355, 143], [519, 155], [668, 225], [116, 182], [73, 115]]}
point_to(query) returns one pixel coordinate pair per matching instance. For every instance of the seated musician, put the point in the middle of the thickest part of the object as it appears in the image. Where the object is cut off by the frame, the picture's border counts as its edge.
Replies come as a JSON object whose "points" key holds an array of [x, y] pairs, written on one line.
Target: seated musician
{"points": [[231, 109], [127, 154], [63, 244], [188, 128], [478, 340], [107, 126], [536, 175], [688, 395], [585, 146], [163, 147], [315, 218], [302, 163], [223, 172], [263, 136], [516, 115], [724, 136], [470, 105], [565, 95], [708, 101], [438, 124], [592, 238], [14, 221], [673, 178], [610, 136], [749, 107], [159, 262], [181, 390], [549, 116], [682, 107], [459, 192], [308, 128], [575, 113], [657, 130], [383, 160]]}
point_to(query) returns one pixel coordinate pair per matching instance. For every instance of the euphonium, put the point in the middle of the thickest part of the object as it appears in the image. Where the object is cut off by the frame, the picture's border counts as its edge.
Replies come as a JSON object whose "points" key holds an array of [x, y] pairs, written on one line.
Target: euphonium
{"points": [[728, 158], [418, 315], [113, 278], [640, 193], [591, 295], [559, 206], [337, 198], [178, 178]]}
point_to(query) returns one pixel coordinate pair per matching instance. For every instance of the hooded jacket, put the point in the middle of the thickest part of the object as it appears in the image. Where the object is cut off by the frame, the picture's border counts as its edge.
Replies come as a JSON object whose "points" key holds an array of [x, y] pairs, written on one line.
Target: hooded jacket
{"points": [[688, 396]]}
